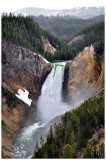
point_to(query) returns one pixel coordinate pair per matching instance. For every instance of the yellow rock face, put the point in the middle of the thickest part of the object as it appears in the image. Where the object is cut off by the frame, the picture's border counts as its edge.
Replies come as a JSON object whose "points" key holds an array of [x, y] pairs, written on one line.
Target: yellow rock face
{"points": [[86, 76]]}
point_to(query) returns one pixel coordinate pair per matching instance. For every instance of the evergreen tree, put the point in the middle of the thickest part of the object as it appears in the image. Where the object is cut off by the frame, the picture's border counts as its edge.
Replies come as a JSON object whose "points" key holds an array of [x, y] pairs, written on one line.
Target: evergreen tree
{"points": [[66, 151], [72, 137], [88, 152]]}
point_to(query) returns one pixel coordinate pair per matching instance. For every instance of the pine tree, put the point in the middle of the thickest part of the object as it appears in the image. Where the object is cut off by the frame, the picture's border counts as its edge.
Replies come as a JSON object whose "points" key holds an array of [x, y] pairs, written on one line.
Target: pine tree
{"points": [[66, 151], [88, 152], [72, 137], [41, 140]]}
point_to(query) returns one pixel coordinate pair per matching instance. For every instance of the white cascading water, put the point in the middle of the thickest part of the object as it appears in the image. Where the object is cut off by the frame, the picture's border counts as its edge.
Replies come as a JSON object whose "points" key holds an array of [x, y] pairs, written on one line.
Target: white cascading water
{"points": [[49, 106], [50, 102]]}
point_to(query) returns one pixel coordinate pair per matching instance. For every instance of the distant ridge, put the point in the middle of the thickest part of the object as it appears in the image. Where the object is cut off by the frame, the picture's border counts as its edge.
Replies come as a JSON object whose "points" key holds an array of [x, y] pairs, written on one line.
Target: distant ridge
{"points": [[80, 12]]}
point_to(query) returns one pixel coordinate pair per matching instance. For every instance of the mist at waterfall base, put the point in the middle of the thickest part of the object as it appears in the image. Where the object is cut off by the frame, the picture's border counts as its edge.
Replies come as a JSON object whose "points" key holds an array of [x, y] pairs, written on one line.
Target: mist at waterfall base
{"points": [[50, 105]]}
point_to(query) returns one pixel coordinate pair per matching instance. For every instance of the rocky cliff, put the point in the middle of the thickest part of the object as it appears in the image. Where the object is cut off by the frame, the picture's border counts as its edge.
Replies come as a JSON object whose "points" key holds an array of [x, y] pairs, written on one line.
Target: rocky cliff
{"points": [[76, 39], [84, 77], [47, 46], [21, 68], [12, 120]]}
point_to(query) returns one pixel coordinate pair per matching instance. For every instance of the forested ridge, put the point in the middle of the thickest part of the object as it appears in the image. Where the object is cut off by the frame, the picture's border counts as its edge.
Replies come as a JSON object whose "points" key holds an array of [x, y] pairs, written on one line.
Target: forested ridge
{"points": [[70, 138], [25, 32], [65, 26], [93, 34]]}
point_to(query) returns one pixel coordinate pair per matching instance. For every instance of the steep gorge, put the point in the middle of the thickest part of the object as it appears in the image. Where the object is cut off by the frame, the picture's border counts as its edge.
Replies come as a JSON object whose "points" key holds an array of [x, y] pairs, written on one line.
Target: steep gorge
{"points": [[80, 132], [83, 78], [21, 68]]}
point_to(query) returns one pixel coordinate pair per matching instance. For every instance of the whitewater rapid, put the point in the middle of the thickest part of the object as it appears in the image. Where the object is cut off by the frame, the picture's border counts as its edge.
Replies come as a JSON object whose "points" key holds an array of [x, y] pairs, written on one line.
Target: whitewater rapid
{"points": [[50, 105]]}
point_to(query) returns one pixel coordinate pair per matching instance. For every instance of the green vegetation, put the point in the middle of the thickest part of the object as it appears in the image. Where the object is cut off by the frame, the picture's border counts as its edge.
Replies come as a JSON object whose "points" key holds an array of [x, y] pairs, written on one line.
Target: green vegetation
{"points": [[56, 65], [72, 134], [10, 137], [21, 124], [25, 32], [94, 34], [65, 27], [11, 99], [99, 47], [22, 31], [3, 123], [69, 151], [4, 61], [102, 150], [90, 151], [6, 149]]}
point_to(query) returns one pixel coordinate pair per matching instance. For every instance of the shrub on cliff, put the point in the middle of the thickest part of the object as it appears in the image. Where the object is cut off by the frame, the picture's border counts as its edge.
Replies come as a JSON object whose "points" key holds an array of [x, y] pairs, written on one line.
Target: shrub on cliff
{"points": [[11, 99]]}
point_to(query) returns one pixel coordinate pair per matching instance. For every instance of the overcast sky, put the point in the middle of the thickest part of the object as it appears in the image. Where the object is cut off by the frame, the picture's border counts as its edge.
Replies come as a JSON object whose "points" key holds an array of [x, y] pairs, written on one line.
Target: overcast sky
{"points": [[13, 5]]}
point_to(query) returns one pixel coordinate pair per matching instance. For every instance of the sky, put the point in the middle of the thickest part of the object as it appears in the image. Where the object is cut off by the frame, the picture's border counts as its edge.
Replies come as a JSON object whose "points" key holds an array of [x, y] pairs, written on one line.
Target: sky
{"points": [[13, 5]]}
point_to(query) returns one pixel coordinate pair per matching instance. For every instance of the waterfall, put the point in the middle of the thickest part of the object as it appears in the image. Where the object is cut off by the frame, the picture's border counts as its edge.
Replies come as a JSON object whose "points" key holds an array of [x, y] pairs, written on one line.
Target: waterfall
{"points": [[49, 106], [50, 102]]}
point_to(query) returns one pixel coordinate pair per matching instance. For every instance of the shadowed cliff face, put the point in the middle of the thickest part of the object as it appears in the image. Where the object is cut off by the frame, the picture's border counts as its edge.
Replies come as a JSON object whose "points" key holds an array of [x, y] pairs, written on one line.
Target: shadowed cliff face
{"points": [[84, 77], [23, 69]]}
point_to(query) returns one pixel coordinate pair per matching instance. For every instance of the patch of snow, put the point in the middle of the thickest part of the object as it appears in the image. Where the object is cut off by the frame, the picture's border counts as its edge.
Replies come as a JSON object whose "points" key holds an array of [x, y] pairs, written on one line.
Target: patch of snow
{"points": [[23, 95], [44, 59], [34, 53]]}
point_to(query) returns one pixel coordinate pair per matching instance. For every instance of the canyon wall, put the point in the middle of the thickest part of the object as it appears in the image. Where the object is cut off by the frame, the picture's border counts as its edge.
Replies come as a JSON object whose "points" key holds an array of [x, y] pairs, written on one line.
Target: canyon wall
{"points": [[21, 68], [12, 120], [84, 77]]}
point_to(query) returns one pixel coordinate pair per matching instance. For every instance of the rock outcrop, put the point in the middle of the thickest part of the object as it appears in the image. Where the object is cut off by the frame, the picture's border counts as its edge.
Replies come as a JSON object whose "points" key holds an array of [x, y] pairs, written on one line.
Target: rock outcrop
{"points": [[76, 39], [84, 77], [47, 46], [21, 68]]}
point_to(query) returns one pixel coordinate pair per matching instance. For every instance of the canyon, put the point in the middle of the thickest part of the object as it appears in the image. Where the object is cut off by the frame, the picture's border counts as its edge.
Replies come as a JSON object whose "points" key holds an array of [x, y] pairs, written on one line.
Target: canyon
{"points": [[24, 69]]}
